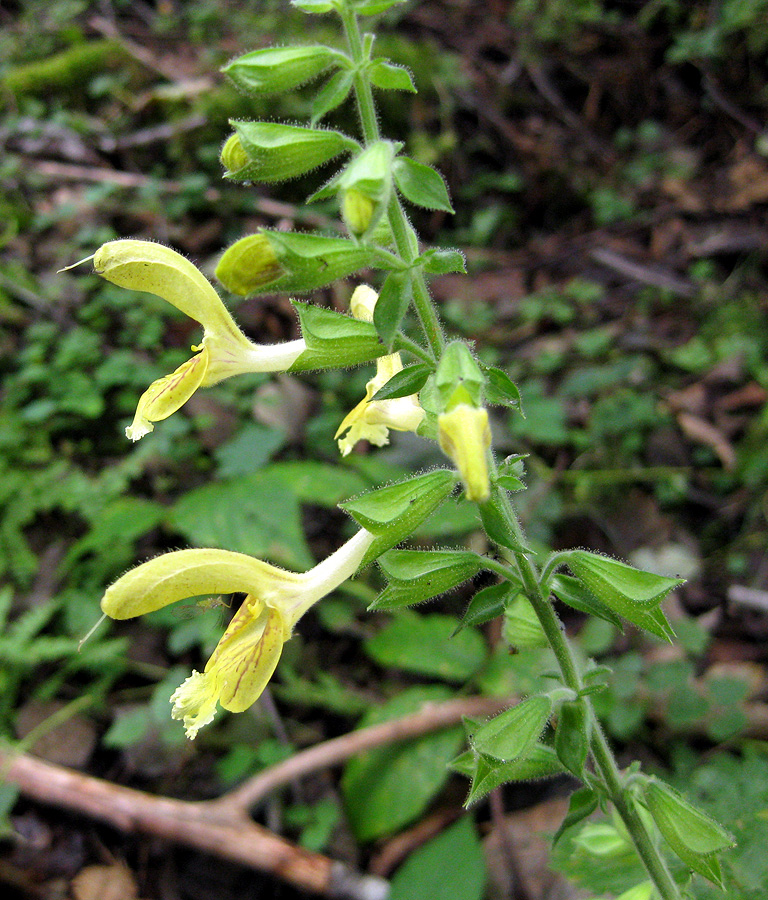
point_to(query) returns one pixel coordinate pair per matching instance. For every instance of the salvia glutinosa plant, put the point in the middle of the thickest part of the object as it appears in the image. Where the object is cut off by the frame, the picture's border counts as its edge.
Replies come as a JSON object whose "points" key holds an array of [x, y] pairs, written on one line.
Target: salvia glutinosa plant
{"points": [[425, 382]]}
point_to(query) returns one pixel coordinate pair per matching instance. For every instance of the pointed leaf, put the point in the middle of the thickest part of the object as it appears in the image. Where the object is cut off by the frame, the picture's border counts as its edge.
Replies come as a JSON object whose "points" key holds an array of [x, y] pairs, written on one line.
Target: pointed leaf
{"points": [[488, 603], [437, 261], [514, 732], [277, 69], [332, 94], [407, 381], [394, 299], [451, 866], [630, 592], [277, 152], [572, 736], [421, 184], [390, 77], [500, 389], [583, 803], [522, 629], [314, 6], [423, 644], [419, 575], [373, 7], [387, 787]]}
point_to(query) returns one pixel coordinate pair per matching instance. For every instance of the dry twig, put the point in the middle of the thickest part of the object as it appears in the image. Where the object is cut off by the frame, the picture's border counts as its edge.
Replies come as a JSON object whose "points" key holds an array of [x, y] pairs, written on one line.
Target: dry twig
{"points": [[223, 827]]}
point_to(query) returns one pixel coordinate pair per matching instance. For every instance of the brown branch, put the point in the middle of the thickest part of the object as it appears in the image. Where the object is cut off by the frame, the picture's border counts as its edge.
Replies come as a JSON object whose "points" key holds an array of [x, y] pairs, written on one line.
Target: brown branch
{"points": [[223, 827], [330, 753]]}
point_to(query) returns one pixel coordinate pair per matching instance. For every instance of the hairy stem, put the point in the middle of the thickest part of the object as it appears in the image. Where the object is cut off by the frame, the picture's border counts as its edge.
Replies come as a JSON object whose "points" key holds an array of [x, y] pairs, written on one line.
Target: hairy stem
{"points": [[602, 757], [402, 232]]}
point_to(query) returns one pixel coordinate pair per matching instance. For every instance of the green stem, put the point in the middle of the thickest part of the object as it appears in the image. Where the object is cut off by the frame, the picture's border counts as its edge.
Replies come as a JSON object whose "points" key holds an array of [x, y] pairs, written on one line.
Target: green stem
{"points": [[402, 232], [602, 756]]}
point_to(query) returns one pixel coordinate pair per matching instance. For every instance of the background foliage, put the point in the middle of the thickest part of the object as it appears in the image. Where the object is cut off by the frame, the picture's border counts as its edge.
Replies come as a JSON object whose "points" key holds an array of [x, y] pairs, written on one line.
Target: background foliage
{"points": [[616, 238]]}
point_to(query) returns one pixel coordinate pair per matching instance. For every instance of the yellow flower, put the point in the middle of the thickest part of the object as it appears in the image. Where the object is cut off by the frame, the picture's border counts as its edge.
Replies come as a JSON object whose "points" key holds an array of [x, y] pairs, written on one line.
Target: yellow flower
{"points": [[249, 650], [464, 435], [371, 419], [224, 350]]}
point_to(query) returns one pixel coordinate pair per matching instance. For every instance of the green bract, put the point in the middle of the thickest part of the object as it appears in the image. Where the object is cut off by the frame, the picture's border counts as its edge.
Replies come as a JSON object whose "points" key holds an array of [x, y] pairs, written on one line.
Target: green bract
{"points": [[421, 184], [395, 511], [277, 152], [418, 575], [389, 76], [513, 733], [277, 69], [407, 381], [692, 834], [334, 340], [394, 299], [633, 594]]}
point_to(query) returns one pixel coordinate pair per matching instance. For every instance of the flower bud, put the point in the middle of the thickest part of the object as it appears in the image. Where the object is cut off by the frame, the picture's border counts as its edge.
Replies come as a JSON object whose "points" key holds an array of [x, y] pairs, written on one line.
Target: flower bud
{"points": [[233, 156], [464, 435], [248, 264], [357, 211]]}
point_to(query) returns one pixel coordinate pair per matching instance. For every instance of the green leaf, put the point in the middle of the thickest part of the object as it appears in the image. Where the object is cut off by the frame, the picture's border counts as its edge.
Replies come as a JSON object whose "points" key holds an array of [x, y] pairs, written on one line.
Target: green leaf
{"points": [[390, 77], [424, 644], [572, 736], [321, 484], [488, 603], [419, 575], [583, 803], [241, 515], [386, 788], [394, 299], [496, 527], [373, 7], [333, 339], [570, 591], [315, 6], [277, 152], [691, 833], [436, 261], [393, 512], [407, 381], [630, 592], [305, 262], [522, 629], [513, 733], [500, 389], [487, 774], [332, 94], [421, 184], [449, 867], [277, 69]]}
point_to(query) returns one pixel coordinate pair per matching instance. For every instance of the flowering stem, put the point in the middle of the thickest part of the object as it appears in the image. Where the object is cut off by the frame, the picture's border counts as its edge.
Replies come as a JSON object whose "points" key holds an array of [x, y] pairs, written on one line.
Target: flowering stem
{"points": [[402, 232], [601, 754]]}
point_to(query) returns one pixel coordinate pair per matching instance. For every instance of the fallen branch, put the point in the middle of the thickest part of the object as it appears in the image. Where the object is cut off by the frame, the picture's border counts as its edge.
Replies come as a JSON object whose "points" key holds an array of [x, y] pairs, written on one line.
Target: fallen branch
{"points": [[223, 827]]}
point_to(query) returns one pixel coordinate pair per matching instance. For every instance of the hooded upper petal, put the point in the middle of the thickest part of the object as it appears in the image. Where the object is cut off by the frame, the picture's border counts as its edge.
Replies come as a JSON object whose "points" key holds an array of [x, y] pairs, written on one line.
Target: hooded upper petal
{"points": [[159, 270], [189, 573], [224, 351], [249, 650]]}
